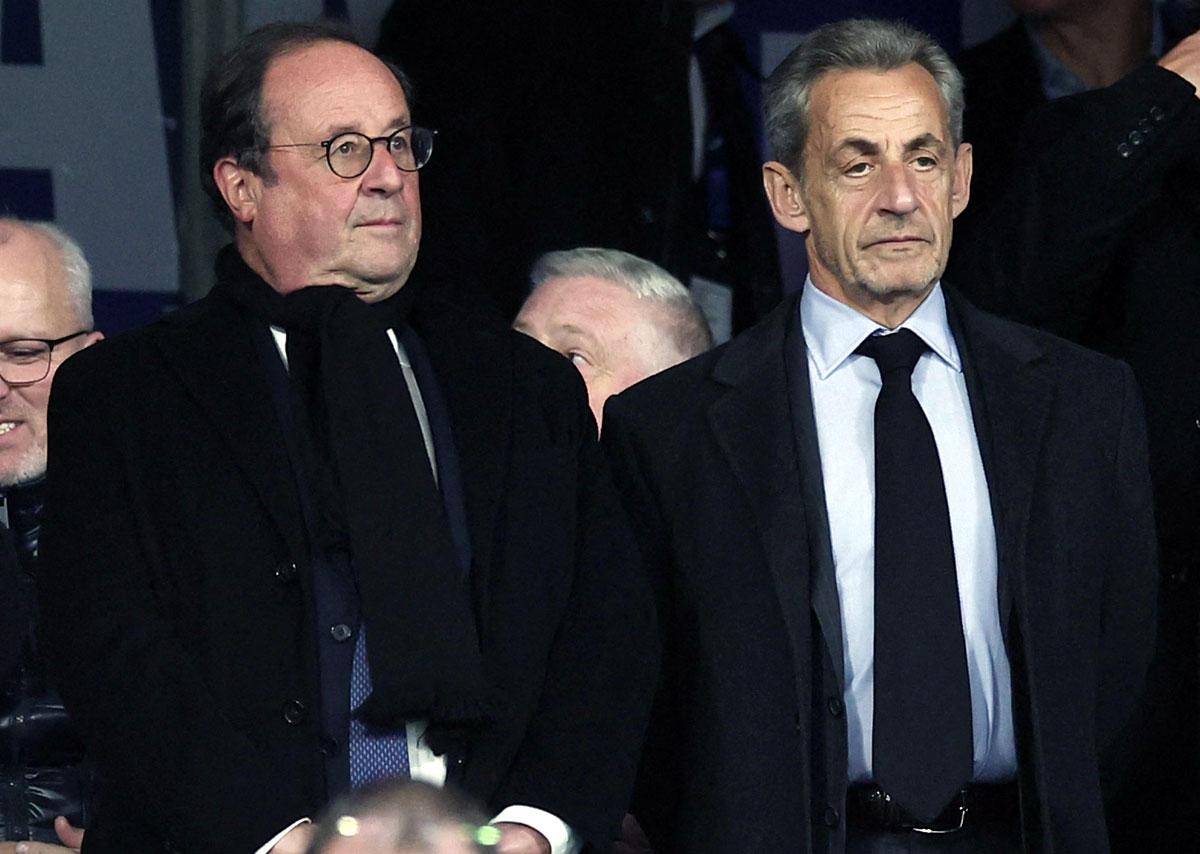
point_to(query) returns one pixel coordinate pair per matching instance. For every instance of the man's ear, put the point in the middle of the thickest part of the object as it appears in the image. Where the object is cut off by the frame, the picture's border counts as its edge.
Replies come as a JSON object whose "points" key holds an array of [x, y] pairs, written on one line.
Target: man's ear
{"points": [[238, 186], [960, 190], [783, 192]]}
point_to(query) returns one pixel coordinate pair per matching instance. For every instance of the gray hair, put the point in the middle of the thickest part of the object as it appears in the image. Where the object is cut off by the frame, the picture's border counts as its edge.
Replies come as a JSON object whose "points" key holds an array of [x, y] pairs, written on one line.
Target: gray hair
{"points": [[857, 43], [688, 330], [77, 271]]}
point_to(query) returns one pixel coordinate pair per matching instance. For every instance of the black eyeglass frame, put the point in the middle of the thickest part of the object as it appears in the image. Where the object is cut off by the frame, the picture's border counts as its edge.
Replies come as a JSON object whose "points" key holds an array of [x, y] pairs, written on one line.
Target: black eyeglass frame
{"points": [[50, 343], [327, 144]]}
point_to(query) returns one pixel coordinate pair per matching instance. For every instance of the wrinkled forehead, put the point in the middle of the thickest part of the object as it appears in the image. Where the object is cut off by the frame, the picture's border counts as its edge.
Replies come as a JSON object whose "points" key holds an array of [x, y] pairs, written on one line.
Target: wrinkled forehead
{"points": [[898, 104]]}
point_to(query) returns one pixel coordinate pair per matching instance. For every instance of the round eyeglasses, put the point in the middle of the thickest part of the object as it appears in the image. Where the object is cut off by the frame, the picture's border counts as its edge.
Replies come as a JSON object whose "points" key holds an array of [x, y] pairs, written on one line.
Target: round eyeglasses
{"points": [[349, 154], [25, 361]]}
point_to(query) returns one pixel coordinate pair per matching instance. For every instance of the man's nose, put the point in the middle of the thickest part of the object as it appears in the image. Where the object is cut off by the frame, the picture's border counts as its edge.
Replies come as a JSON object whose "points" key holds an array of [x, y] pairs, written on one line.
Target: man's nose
{"points": [[383, 175], [898, 194]]}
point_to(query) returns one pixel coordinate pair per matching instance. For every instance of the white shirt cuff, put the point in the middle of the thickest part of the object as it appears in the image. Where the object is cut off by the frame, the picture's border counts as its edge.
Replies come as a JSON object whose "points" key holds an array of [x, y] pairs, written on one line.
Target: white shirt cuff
{"points": [[274, 840], [560, 836]]}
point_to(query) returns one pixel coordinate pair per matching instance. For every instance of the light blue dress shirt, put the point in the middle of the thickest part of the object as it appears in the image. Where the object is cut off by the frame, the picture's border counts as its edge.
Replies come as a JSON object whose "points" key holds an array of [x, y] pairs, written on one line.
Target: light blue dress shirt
{"points": [[844, 388]]}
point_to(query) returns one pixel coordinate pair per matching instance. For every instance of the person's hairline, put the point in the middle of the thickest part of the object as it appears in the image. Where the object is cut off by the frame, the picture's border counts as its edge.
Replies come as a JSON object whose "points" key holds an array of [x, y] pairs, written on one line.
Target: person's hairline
{"points": [[71, 263]]}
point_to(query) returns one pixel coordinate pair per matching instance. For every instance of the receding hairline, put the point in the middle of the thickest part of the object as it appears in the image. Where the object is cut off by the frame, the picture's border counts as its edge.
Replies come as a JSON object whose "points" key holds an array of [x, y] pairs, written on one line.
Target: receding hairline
{"points": [[264, 103], [73, 273]]}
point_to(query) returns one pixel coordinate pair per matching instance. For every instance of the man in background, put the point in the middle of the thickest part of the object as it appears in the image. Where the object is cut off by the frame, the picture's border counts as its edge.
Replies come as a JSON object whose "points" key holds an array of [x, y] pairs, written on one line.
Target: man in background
{"points": [[45, 316], [617, 317], [404, 817]]}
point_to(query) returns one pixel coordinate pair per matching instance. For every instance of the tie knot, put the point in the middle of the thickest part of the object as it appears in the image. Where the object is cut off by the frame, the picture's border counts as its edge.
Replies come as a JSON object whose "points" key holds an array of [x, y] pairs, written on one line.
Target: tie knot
{"points": [[899, 350]]}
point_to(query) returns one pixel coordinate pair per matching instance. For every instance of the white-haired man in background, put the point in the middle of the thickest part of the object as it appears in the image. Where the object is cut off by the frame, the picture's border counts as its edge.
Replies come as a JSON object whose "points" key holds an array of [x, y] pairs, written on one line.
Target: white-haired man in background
{"points": [[617, 317]]}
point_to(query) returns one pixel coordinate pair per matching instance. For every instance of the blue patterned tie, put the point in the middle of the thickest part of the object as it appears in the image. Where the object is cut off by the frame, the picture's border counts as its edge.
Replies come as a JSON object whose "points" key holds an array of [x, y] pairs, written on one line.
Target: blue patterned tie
{"points": [[374, 755]]}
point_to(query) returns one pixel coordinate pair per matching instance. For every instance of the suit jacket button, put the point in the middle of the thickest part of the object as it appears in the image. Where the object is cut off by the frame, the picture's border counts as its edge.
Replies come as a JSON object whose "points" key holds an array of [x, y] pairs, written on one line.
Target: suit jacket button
{"points": [[1124, 150], [340, 632], [1136, 137], [1156, 113], [293, 712], [285, 572], [836, 707], [831, 817]]}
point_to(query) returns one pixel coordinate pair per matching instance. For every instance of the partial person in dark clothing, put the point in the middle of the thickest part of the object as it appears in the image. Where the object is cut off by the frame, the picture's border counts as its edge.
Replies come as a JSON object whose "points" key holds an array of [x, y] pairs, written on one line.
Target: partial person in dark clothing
{"points": [[341, 530], [45, 316], [1088, 225], [566, 123]]}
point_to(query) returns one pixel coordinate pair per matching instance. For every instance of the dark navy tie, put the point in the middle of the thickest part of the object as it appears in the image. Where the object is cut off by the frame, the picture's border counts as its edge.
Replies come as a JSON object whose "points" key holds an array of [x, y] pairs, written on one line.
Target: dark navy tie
{"points": [[922, 751]]}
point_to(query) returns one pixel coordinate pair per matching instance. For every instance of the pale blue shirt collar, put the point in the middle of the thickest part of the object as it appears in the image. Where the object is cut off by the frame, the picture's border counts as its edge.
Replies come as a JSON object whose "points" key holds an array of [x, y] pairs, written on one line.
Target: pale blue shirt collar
{"points": [[833, 330]]}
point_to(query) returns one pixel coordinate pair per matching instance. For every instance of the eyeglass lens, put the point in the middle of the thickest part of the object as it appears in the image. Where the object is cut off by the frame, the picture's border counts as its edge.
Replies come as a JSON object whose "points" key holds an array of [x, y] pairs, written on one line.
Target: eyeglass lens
{"points": [[349, 154], [24, 362]]}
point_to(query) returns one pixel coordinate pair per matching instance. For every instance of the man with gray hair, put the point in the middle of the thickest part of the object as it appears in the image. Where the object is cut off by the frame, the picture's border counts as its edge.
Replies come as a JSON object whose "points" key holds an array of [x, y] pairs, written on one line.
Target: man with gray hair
{"points": [[617, 317], [903, 550], [45, 316]]}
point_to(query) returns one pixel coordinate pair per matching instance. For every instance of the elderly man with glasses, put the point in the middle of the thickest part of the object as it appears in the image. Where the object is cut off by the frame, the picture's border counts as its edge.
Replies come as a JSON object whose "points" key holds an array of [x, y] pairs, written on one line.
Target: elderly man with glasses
{"points": [[318, 530], [45, 316]]}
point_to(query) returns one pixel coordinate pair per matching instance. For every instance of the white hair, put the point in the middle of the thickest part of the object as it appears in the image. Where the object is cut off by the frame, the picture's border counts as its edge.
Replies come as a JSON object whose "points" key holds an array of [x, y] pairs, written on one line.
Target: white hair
{"points": [[78, 272], [687, 330]]}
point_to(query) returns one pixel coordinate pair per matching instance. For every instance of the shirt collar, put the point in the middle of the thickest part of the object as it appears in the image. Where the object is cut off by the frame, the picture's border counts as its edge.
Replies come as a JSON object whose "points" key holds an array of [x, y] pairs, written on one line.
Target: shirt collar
{"points": [[833, 330], [709, 18]]}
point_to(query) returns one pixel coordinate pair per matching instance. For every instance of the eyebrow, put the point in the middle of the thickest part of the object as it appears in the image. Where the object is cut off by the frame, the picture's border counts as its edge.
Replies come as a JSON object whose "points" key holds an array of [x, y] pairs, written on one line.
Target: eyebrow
{"points": [[395, 124], [926, 140], [859, 145]]}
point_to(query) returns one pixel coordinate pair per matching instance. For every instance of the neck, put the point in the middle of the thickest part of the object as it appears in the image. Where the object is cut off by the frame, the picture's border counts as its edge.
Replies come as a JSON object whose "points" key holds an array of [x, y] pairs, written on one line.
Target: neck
{"points": [[1102, 41]]}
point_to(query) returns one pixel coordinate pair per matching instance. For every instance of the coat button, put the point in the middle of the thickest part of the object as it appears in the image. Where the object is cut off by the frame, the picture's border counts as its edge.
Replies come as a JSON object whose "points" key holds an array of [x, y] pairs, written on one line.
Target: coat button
{"points": [[836, 707], [293, 712], [1124, 150], [285, 572], [1136, 137], [831, 817], [340, 632], [1156, 113]]}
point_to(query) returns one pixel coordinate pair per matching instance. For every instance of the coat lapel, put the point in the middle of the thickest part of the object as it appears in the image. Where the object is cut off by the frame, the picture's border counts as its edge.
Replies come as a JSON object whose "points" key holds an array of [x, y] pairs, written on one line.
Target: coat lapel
{"points": [[206, 344], [754, 428], [1011, 398], [475, 379]]}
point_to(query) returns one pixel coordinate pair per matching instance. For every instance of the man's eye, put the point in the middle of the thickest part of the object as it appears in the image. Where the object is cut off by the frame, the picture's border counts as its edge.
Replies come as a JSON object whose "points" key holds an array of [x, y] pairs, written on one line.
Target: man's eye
{"points": [[859, 168], [578, 359], [925, 162], [22, 355], [398, 143]]}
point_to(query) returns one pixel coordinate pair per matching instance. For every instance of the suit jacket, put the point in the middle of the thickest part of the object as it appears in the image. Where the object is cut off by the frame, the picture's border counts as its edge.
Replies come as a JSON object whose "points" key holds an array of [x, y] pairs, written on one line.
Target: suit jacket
{"points": [[178, 602], [718, 463]]}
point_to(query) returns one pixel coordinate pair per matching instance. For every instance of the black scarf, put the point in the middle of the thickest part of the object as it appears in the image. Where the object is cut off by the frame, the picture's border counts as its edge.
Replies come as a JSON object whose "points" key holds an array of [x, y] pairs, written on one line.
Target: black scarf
{"points": [[370, 478]]}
